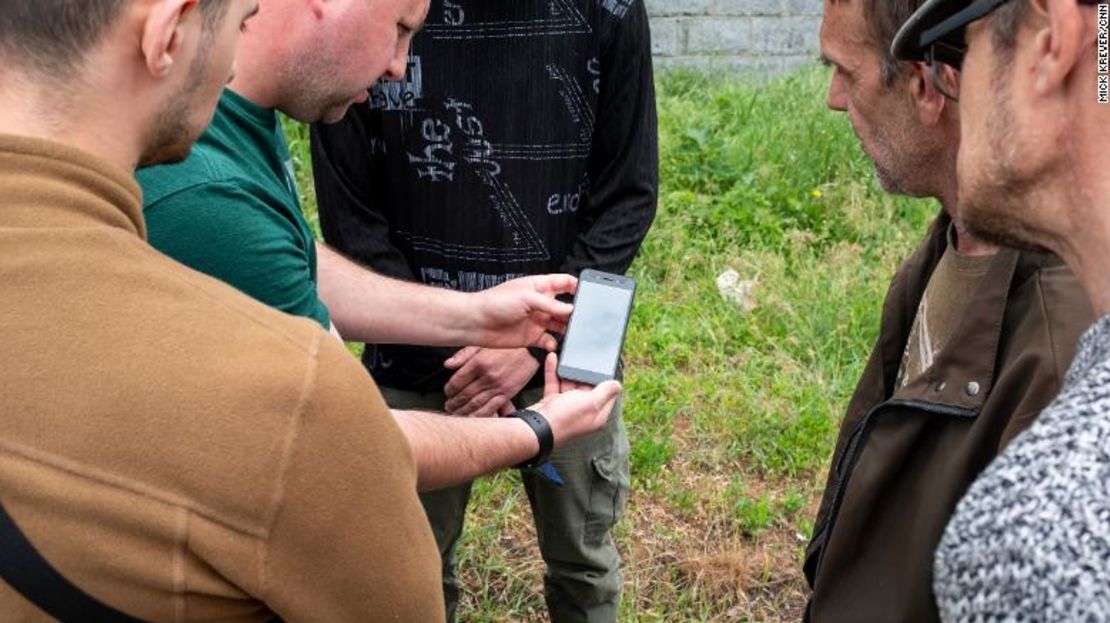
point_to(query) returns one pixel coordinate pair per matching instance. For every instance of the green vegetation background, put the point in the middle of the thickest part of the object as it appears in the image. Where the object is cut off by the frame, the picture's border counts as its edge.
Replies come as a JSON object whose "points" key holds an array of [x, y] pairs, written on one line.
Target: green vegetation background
{"points": [[732, 408]]}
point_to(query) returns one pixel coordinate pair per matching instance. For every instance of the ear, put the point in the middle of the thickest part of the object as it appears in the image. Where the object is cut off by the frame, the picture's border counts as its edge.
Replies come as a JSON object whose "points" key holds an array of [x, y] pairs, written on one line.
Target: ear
{"points": [[929, 102], [162, 37], [1059, 42]]}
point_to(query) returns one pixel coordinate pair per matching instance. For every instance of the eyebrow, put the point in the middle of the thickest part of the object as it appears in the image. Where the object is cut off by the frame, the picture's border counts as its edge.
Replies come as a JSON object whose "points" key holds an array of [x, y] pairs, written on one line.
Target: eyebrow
{"points": [[828, 62]]}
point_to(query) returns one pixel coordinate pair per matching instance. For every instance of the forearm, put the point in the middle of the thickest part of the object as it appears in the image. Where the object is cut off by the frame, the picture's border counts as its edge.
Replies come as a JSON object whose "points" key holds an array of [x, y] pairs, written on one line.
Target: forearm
{"points": [[453, 450], [368, 307]]}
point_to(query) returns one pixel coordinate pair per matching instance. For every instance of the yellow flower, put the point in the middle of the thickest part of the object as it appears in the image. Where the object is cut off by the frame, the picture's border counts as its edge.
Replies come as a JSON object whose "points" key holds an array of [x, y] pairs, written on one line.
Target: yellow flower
{"points": [[816, 193]]}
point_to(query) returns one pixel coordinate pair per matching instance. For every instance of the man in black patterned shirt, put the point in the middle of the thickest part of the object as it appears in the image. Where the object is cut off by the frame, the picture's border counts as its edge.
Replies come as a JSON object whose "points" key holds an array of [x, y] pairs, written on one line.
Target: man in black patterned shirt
{"points": [[522, 141]]}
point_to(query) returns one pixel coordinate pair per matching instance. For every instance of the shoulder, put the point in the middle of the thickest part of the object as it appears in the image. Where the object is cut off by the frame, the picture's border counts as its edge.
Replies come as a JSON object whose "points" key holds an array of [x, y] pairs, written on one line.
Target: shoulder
{"points": [[222, 228], [199, 294], [1047, 301], [620, 20], [208, 163], [612, 12], [1033, 523], [206, 204], [226, 378]]}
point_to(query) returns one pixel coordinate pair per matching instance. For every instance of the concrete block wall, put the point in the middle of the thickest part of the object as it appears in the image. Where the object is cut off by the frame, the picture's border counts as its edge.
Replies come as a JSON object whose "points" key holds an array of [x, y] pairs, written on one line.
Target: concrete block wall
{"points": [[761, 36]]}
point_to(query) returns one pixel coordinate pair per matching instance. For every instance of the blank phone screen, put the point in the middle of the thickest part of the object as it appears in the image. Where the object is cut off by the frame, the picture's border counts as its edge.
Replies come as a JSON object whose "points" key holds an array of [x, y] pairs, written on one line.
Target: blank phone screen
{"points": [[594, 339]]}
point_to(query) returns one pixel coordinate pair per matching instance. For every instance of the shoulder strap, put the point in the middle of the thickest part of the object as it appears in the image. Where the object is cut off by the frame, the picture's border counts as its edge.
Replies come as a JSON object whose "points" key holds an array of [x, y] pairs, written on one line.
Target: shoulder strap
{"points": [[25, 570]]}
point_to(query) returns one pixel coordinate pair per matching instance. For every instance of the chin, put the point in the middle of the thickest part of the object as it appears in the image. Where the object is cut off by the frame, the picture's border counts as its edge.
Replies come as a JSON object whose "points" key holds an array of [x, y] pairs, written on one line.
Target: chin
{"points": [[334, 113], [888, 182]]}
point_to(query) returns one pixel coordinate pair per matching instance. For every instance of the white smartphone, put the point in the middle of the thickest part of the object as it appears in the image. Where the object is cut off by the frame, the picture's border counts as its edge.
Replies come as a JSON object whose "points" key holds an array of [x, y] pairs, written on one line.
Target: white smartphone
{"points": [[595, 335]]}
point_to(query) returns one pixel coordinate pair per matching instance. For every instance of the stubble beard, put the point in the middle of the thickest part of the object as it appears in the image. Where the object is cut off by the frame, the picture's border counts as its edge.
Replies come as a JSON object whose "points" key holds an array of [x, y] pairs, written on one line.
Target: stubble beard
{"points": [[315, 99], [996, 202], [899, 172], [899, 160], [173, 136]]}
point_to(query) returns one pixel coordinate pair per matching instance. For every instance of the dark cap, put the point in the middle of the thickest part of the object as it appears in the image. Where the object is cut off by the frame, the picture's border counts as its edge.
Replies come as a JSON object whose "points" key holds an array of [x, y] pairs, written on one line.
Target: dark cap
{"points": [[935, 32]]}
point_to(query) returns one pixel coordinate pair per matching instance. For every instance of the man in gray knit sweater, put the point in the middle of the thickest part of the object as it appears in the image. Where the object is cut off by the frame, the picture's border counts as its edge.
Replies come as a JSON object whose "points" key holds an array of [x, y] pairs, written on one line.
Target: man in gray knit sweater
{"points": [[1031, 539]]}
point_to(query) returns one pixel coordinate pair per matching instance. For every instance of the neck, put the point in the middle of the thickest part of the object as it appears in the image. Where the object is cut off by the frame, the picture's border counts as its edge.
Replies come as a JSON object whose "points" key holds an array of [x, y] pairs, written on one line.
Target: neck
{"points": [[1074, 205], [967, 244], [260, 53], [947, 194], [1089, 259], [1086, 249], [93, 124], [255, 90]]}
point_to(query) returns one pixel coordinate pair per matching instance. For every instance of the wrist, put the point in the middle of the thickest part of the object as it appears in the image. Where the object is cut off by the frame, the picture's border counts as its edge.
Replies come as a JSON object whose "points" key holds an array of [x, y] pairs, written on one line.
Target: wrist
{"points": [[525, 439], [543, 439], [468, 319]]}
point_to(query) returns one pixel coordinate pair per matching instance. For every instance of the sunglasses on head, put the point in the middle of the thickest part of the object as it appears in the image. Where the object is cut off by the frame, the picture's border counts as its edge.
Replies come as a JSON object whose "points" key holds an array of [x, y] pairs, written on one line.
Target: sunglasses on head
{"points": [[946, 42]]}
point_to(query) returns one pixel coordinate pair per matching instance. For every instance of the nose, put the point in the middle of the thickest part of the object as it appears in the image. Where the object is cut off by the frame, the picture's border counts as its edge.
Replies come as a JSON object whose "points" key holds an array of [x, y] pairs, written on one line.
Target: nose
{"points": [[400, 62], [837, 98], [396, 69]]}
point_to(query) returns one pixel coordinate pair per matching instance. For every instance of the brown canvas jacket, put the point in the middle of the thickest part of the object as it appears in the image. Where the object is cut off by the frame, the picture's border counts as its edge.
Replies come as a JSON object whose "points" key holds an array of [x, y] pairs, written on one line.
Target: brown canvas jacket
{"points": [[904, 459]]}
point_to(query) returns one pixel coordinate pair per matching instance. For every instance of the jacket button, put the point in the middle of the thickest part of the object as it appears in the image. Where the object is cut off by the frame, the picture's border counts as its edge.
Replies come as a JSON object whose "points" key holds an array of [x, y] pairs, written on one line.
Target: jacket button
{"points": [[972, 389]]}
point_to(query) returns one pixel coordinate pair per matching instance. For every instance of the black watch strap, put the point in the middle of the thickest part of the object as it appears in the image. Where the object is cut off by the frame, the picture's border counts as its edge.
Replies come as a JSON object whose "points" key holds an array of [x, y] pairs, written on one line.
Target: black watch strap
{"points": [[543, 434]]}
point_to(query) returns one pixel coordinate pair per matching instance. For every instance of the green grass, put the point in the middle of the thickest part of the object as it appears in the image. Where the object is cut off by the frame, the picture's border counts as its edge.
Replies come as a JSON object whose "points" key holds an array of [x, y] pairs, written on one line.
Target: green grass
{"points": [[732, 413]]}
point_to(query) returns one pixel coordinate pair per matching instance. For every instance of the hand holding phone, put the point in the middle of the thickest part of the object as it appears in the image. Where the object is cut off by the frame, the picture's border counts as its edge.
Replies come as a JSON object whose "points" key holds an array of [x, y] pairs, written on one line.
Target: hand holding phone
{"points": [[573, 410]]}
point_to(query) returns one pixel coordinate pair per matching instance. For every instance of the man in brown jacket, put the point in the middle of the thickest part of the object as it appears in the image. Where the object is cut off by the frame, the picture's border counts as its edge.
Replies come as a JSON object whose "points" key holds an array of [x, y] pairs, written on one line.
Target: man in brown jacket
{"points": [[974, 342], [170, 449]]}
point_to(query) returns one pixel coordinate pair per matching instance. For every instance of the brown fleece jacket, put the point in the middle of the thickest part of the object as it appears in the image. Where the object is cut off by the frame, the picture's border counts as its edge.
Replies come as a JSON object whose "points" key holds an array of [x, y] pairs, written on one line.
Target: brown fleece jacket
{"points": [[175, 449]]}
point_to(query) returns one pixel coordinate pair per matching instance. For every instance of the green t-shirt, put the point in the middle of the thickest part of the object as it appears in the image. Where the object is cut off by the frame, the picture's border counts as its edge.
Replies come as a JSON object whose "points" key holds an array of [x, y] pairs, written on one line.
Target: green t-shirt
{"points": [[231, 211]]}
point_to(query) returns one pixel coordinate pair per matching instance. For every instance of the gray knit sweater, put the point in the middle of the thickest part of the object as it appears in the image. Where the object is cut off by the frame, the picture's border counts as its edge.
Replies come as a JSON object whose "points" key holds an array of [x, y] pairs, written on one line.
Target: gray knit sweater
{"points": [[1031, 539]]}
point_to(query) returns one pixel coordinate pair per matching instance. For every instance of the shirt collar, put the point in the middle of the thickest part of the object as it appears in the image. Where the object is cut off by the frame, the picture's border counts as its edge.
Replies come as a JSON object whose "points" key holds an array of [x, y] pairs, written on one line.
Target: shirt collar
{"points": [[962, 375], [47, 184]]}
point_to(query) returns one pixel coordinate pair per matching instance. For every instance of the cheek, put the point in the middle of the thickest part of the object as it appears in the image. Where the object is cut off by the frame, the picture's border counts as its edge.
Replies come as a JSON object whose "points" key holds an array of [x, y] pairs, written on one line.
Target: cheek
{"points": [[367, 54], [972, 158], [222, 56], [975, 85], [973, 107], [859, 113]]}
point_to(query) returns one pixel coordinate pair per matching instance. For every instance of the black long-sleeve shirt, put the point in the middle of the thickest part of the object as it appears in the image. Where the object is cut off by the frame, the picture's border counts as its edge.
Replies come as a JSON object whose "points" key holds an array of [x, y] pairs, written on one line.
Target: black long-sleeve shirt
{"points": [[522, 141]]}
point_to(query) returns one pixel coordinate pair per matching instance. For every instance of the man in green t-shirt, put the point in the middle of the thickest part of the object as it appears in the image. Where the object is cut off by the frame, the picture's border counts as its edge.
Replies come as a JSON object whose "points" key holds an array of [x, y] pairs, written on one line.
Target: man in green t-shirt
{"points": [[231, 210]]}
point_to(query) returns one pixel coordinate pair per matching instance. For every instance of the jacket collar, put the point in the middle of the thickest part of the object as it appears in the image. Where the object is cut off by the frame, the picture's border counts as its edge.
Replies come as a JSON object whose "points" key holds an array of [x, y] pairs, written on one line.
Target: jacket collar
{"points": [[50, 185], [961, 376]]}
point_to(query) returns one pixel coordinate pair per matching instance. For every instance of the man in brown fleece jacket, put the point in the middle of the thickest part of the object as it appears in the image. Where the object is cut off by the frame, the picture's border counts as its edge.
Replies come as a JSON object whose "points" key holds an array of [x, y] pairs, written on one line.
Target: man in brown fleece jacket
{"points": [[173, 449]]}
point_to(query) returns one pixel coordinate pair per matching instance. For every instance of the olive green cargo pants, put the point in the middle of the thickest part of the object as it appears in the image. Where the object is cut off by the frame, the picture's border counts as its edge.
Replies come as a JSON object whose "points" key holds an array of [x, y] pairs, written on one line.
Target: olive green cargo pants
{"points": [[583, 580]]}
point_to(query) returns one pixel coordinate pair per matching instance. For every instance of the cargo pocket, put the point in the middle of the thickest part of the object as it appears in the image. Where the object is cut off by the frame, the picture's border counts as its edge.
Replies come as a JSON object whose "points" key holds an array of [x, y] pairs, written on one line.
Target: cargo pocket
{"points": [[608, 495]]}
